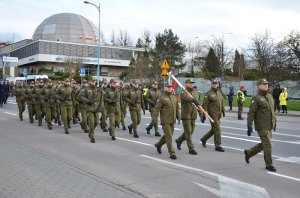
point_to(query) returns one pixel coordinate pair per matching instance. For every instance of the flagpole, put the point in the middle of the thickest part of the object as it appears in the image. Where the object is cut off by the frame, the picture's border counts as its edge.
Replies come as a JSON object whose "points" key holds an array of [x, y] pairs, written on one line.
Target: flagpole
{"points": [[198, 107]]}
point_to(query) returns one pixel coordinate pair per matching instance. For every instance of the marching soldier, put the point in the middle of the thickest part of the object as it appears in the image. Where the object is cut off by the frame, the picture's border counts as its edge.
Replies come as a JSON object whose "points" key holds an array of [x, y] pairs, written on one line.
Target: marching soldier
{"points": [[168, 108], [261, 111], [29, 99], [82, 108], [65, 96], [94, 103], [112, 99], [213, 104], [19, 92], [151, 97], [36, 94], [49, 103], [123, 92], [188, 116], [134, 98], [103, 118]]}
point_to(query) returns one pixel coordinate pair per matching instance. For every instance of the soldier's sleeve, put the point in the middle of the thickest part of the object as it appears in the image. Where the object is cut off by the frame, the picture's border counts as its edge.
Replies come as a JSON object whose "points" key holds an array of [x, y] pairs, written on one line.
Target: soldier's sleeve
{"points": [[185, 97], [177, 110], [157, 108], [205, 102], [106, 97], [252, 111], [147, 97], [82, 97], [142, 102], [127, 97]]}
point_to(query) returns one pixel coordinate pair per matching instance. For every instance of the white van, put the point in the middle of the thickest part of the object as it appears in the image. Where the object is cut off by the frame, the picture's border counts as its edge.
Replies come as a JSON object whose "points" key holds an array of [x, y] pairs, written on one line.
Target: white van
{"points": [[34, 78], [16, 79]]}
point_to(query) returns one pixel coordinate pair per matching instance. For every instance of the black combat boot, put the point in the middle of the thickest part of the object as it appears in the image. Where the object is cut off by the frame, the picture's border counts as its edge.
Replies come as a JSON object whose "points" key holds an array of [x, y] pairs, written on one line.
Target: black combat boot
{"points": [[130, 129], [158, 148], [157, 134], [178, 144], [93, 140], [124, 127]]}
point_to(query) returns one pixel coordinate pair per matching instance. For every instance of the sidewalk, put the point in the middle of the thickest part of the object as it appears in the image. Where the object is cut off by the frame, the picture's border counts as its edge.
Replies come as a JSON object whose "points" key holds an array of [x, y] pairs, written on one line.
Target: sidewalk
{"points": [[246, 110]]}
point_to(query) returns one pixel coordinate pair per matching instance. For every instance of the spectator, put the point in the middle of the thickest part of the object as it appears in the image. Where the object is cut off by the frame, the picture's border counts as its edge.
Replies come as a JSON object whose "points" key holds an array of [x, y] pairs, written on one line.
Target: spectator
{"points": [[276, 94], [230, 97], [283, 98]]}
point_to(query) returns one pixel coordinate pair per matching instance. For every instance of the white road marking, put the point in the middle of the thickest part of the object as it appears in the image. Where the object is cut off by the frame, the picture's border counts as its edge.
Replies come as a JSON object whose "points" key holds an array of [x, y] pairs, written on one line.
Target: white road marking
{"points": [[176, 129], [137, 142], [247, 140], [284, 176], [228, 187], [10, 113], [244, 129], [294, 160]]}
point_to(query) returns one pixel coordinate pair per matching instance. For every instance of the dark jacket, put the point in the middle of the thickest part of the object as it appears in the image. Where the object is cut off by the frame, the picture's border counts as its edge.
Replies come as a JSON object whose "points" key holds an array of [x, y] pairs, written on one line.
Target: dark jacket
{"points": [[231, 94]]}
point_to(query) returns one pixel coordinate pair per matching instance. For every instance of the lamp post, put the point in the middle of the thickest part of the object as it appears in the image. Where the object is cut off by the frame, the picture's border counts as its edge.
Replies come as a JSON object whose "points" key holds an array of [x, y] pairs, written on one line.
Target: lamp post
{"points": [[193, 50], [222, 50], [98, 69]]}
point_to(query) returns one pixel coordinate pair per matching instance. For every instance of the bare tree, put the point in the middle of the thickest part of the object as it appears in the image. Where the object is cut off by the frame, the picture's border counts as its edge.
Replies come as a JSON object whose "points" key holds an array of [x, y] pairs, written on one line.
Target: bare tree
{"points": [[261, 50], [197, 51], [124, 38], [72, 64], [113, 40]]}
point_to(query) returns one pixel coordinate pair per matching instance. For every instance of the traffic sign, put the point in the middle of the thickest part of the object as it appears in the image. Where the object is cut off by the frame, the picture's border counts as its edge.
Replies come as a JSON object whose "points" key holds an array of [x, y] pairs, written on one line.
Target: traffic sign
{"points": [[165, 65], [24, 71], [164, 73], [82, 72]]}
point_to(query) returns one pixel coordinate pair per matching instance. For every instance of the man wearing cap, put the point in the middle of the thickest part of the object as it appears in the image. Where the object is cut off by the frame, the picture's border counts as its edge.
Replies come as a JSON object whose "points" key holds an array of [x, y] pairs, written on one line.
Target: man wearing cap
{"points": [[134, 98], [151, 97], [49, 103], [188, 116], [64, 93], [112, 98], [94, 102], [37, 94], [19, 92], [240, 100], [213, 104], [261, 111], [82, 107], [168, 108], [29, 99]]}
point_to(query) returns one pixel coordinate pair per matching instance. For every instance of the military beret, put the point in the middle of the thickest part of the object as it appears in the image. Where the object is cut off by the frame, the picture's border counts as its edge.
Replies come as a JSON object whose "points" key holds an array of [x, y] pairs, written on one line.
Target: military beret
{"points": [[189, 81], [262, 81]]}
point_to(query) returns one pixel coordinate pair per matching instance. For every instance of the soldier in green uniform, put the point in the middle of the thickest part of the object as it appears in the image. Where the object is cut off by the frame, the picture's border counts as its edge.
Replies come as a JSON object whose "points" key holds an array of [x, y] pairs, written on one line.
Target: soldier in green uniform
{"points": [[151, 97], [123, 91], [240, 100], [49, 103], [213, 104], [103, 118], [261, 111], [58, 105], [112, 99], [168, 108], [82, 108], [29, 99], [64, 92], [37, 94], [135, 100], [93, 99], [188, 116], [19, 92]]}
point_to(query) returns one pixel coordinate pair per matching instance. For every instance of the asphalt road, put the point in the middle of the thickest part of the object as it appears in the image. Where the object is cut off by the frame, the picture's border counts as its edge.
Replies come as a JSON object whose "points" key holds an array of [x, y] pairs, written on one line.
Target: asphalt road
{"points": [[36, 162]]}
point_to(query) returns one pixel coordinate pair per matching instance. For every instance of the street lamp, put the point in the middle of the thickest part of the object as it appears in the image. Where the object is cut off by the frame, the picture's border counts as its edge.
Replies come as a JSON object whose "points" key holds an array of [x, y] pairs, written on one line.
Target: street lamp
{"points": [[193, 50], [222, 50], [98, 69]]}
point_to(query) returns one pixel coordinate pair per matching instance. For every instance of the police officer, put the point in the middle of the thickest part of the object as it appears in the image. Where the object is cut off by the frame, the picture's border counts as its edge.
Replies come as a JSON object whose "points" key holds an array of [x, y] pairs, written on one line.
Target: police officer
{"points": [[151, 97], [65, 96], [261, 111], [134, 98], [19, 92], [240, 100], [112, 98], [188, 116], [213, 104], [168, 108]]}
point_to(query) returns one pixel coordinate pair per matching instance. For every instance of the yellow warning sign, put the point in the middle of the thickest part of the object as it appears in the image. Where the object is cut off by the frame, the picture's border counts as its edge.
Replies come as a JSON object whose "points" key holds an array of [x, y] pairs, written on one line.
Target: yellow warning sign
{"points": [[164, 73], [165, 65]]}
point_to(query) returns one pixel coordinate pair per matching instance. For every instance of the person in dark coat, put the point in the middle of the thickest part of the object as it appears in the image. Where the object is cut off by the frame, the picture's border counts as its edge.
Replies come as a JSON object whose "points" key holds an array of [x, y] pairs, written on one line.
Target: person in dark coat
{"points": [[230, 97], [6, 90], [2, 93], [276, 94]]}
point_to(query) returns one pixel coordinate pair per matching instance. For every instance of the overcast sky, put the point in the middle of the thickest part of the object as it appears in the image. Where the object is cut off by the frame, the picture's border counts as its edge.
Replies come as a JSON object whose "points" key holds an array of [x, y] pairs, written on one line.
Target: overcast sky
{"points": [[187, 18]]}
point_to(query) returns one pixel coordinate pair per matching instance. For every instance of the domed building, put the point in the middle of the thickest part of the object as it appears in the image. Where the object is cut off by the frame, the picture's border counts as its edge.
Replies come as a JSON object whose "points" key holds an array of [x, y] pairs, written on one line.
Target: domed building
{"points": [[68, 42]]}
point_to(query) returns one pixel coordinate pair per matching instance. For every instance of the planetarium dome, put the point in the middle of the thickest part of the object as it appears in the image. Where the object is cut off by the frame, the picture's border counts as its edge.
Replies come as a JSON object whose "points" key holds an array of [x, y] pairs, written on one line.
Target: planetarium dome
{"points": [[67, 27]]}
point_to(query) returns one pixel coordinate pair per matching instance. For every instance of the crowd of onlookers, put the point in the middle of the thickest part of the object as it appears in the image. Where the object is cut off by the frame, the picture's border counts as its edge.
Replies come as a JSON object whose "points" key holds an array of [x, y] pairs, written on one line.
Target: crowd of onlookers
{"points": [[280, 96]]}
